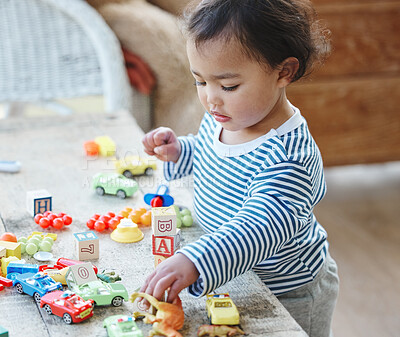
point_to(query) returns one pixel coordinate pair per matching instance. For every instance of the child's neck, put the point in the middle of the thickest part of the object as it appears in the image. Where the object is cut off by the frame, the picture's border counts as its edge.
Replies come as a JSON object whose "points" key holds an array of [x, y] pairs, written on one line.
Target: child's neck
{"points": [[273, 120]]}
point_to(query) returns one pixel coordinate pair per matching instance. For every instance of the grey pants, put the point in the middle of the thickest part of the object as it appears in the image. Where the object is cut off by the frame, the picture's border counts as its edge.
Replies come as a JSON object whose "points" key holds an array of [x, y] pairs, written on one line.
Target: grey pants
{"points": [[312, 305]]}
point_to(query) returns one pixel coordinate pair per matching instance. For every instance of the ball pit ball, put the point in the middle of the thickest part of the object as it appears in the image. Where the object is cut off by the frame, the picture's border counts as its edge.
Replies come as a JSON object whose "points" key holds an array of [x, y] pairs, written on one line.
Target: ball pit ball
{"points": [[48, 218], [185, 211], [45, 246], [22, 239], [33, 240], [187, 220], [58, 223], [49, 240], [23, 247], [31, 248], [99, 226], [67, 220], [44, 222]]}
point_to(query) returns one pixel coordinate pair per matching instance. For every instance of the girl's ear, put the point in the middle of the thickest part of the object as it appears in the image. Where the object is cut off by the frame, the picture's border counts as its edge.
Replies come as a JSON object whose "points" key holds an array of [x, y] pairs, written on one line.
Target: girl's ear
{"points": [[287, 70]]}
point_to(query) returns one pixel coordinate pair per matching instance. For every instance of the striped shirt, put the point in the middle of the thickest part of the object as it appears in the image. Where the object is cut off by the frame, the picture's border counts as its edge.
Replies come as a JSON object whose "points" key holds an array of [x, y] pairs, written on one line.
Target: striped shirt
{"points": [[255, 202]]}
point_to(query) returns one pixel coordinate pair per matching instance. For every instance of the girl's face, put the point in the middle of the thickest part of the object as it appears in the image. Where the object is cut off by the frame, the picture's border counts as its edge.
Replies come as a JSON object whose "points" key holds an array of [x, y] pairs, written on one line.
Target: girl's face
{"points": [[245, 97]]}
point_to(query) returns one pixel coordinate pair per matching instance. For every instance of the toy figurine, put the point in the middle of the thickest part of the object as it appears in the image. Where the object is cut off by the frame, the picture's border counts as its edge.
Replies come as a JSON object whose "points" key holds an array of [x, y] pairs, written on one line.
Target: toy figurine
{"points": [[167, 320], [159, 199], [219, 331], [109, 277]]}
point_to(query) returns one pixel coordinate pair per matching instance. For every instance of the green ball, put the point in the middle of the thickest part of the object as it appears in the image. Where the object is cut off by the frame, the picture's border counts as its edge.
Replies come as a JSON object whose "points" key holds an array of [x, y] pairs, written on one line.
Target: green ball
{"points": [[23, 246], [177, 211], [178, 222], [185, 211], [31, 248], [187, 220], [45, 246], [49, 240], [37, 236], [22, 239], [35, 241]]}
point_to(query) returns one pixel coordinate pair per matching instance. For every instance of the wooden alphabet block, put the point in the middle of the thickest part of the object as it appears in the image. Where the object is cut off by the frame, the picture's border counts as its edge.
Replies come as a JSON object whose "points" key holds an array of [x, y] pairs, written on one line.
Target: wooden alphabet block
{"points": [[87, 245], [3, 252], [158, 259], [38, 201], [81, 273], [166, 245], [163, 221]]}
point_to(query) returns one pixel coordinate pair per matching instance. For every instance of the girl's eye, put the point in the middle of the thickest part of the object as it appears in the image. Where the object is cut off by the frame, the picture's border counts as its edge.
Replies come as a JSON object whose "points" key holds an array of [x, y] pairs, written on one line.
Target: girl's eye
{"points": [[230, 88], [199, 84]]}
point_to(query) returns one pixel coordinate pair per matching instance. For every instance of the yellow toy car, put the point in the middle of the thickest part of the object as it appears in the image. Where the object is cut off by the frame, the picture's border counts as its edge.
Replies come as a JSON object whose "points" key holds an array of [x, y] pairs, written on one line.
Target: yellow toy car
{"points": [[221, 310], [135, 165]]}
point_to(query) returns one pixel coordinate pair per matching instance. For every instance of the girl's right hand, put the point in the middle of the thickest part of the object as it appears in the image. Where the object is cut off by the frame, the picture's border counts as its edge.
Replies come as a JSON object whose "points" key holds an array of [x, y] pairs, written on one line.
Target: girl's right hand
{"points": [[163, 144]]}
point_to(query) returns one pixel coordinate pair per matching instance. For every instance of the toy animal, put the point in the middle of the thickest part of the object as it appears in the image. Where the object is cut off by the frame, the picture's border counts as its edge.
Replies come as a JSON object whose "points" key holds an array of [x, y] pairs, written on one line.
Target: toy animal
{"points": [[219, 330], [168, 319], [109, 277]]}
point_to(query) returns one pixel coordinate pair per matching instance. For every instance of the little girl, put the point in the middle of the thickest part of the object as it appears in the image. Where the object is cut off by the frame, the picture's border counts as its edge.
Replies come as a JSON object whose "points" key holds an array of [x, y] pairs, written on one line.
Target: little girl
{"points": [[257, 171]]}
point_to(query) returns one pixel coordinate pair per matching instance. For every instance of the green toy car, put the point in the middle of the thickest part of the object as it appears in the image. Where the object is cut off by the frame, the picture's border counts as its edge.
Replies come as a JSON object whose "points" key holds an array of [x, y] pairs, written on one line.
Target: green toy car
{"points": [[102, 293], [114, 183], [121, 325]]}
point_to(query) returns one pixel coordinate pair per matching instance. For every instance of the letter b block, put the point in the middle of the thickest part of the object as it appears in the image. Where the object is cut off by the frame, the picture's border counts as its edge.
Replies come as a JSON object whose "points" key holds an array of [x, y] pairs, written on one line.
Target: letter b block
{"points": [[87, 245], [163, 220]]}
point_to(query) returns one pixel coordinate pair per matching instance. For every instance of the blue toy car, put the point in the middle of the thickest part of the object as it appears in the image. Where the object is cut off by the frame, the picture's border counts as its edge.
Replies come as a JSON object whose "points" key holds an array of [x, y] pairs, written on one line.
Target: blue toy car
{"points": [[15, 268], [35, 285]]}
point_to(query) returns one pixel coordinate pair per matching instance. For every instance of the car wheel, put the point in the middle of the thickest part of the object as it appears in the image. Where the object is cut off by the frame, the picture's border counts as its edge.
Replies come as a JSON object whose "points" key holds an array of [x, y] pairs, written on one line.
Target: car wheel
{"points": [[100, 190], [67, 318], [148, 171], [117, 301], [128, 174], [47, 308], [37, 297], [19, 288], [121, 194]]}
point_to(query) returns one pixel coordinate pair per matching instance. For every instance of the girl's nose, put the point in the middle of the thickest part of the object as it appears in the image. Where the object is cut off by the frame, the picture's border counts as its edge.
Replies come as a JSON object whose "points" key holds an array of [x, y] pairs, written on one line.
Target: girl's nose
{"points": [[212, 98]]}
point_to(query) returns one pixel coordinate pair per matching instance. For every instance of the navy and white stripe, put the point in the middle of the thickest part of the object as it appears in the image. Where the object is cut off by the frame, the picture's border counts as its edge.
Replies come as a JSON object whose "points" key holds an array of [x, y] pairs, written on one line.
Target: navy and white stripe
{"points": [[255, 203]]}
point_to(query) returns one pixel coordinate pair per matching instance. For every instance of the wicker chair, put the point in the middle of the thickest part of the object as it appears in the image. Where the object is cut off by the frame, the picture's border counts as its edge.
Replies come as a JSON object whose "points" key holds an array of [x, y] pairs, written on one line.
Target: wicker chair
{"points": [[52, 49]]}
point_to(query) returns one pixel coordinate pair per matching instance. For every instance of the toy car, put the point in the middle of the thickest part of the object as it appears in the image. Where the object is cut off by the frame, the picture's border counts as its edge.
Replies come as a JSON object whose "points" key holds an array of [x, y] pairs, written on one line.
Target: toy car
{"points": [[69, 306], [134, 165], [121, 325], [15, 268], [102, 293], [114, 183], [36, 285], [221, 310]]}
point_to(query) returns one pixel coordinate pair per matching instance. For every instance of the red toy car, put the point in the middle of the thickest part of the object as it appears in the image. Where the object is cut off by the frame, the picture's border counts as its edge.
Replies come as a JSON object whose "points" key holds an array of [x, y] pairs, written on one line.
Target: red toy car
{"points": [[69, 306]]}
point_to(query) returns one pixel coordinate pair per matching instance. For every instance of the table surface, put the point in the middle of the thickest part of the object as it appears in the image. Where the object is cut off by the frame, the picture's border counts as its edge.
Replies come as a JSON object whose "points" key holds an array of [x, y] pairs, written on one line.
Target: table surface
{"points": [[52, 157]]}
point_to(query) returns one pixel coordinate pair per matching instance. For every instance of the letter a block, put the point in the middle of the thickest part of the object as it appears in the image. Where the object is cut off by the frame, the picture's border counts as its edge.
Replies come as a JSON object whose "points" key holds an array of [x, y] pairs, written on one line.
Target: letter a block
{"points": [[38, 202], [87, 245], [166, 245], [163, 220]]}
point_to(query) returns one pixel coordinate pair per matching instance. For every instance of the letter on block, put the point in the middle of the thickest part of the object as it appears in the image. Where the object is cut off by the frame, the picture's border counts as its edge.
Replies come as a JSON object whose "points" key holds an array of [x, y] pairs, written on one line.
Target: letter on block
{"points": [[87, 245], [166, 245], [38, 202], [163, 220], [158, 259]]}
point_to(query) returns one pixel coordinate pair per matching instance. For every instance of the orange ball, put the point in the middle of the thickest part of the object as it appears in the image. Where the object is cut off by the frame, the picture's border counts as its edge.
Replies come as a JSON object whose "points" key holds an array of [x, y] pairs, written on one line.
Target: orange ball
{"points": [[146, 218], [134, 216], [141, 210], [7, 236]]}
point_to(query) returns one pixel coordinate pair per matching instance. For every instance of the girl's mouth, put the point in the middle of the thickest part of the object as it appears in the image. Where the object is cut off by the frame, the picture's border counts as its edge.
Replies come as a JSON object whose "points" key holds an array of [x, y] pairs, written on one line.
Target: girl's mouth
{"points": [[220, 118]]}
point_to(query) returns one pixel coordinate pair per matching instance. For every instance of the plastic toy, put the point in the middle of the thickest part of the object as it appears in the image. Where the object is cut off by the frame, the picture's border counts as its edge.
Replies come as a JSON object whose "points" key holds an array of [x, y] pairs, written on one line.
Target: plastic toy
{"points": [[134, 165], [127, 232], [16, 268], [10, 166], [159, 199], [71, 307], [87, 245], [36, 243], [115, 184], [140, 215], [5, 281], [109, 277], [50, 219], [103, 222], [5, 261], [7, 236], [91, 148], [219, 330], [221, 310], [63, 262], [168, 319], [36, 285], [102, 293], [106, 145], [121, 325], [3, 332], [183, 217], [57, 275], [38, 201]]}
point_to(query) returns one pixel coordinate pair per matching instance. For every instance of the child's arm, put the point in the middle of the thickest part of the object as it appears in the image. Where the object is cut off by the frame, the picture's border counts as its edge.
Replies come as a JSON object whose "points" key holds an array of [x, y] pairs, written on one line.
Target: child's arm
{"points": [[175, 273], [163, 144]]}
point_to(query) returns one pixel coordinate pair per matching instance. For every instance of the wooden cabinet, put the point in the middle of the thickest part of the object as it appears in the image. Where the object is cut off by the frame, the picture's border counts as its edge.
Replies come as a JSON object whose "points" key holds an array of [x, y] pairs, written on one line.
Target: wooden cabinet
{"points": [[352, 102]]}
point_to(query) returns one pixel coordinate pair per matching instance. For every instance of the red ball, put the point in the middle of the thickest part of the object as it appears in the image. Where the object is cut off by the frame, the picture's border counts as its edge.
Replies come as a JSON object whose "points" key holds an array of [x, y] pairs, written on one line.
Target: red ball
{"points": [[67, 220], [99, 226], [111, 214], [105, 218], [90, 223], [47, 213], [58, 223], [113, 223], [61, 214], [44, 222], [38, 217], [96, 216]]}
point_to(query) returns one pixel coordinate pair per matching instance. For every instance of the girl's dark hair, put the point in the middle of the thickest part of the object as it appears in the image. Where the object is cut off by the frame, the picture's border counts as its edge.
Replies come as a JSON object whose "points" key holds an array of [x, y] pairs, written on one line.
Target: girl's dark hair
{"points": [[268, 30]]}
